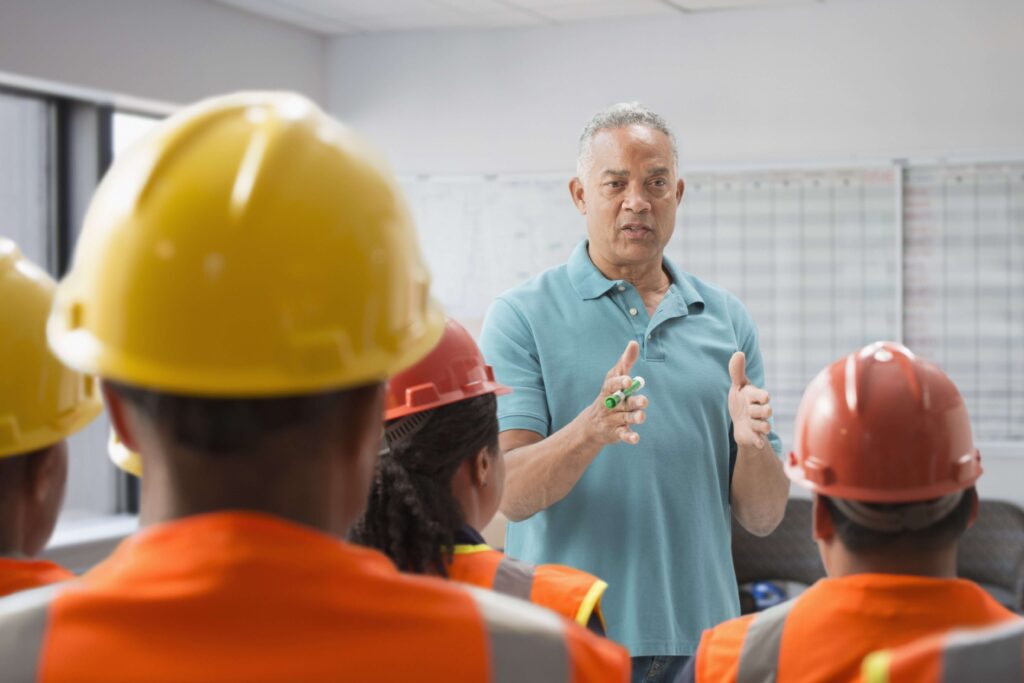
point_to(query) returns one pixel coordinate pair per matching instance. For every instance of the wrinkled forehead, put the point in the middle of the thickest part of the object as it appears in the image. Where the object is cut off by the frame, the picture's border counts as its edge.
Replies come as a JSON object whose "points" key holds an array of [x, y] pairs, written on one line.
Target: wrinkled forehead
{"points": [[635, 148]]}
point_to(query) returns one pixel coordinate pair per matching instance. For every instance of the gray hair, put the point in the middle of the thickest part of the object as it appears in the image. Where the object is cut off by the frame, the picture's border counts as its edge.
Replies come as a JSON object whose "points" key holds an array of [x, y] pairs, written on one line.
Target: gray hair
{"points": [[621, 115]]}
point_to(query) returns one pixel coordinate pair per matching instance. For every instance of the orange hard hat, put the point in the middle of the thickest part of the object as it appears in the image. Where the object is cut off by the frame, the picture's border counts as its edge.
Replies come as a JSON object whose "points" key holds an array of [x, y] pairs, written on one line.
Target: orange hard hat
{"points": [[453, 371], [883, 426]]}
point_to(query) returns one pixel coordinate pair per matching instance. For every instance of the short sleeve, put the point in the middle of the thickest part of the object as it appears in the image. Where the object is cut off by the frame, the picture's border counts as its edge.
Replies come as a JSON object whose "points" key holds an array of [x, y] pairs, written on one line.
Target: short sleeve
{"points": [[508, 344]]}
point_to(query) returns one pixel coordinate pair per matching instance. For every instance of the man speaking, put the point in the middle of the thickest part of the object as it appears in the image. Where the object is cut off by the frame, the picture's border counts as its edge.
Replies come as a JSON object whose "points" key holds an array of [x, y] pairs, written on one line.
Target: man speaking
{"points": [[639, 494]]}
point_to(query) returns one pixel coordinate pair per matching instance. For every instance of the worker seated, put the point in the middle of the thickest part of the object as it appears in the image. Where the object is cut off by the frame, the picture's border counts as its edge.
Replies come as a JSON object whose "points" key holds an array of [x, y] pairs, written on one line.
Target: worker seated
{"points": [[42, 403], [246, 280], [439, 481], [883, 441]]}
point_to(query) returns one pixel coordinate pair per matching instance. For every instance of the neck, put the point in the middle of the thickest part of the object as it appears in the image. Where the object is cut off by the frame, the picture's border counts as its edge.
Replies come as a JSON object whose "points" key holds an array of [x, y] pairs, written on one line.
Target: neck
{"points": [[648, 277], [940, 564], [276, 486]]}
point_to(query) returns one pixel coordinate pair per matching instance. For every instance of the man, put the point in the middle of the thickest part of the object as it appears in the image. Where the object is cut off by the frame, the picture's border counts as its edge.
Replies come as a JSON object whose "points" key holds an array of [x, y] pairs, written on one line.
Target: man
{"points": [[994, 655], [650, 516], [884, 441], [246, 279], [41, 404]]}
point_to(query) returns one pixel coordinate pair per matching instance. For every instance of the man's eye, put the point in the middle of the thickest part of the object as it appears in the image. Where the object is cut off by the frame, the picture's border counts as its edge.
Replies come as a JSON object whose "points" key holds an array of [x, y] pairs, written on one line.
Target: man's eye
{"points": [[660, 182]]}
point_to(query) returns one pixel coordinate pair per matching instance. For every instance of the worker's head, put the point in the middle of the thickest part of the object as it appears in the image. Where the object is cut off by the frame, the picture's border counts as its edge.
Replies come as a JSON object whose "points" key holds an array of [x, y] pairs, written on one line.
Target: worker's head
{"points": [[440, 466], [884, 441], [42, 403], [246, 280]]}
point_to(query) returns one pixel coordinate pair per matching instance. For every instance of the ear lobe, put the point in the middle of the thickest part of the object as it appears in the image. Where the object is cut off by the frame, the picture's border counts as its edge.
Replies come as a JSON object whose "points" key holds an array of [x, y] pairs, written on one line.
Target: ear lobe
{"points": [[576, 191], [117, 410], [975, 504], [47, 468], [680, 188], [480, 468], [821, 521]]}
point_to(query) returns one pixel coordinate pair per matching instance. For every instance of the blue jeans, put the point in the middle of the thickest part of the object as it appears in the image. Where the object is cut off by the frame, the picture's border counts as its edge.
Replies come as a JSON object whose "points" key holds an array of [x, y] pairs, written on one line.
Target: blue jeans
{"points": [[659, 669]]}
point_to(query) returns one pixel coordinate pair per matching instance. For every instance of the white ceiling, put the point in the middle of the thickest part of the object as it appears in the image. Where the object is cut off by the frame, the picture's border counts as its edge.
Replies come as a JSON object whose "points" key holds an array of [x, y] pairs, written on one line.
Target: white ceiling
{"points": [[336, 17]]}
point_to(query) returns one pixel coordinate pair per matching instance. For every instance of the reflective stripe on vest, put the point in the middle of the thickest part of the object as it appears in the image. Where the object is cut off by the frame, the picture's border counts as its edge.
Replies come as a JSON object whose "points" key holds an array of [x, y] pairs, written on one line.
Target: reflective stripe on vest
{"points": [[22, 627], [514, 578], [527, 643], [759, 657], [995, 654]]}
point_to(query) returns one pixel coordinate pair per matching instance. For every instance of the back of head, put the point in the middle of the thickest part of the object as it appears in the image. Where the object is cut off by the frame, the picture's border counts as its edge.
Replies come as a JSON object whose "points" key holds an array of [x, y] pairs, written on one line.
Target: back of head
{"points": [[240, 271], [41, 403], [441, 412], [883, 437]]}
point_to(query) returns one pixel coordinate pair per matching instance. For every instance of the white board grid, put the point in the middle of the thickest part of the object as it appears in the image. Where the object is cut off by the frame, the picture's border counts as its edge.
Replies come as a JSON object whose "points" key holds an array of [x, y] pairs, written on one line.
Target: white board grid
{"points": [[964, 269]]}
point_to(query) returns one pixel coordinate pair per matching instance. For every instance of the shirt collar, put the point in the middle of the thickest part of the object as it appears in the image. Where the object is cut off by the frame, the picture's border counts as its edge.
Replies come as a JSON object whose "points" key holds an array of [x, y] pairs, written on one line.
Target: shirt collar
{"points": [[590, 283], [467, 535]]}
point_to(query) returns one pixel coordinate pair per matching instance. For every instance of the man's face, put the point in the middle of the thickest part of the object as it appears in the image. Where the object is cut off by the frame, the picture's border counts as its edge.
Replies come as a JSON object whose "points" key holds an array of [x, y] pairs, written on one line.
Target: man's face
{"points": [[629, 194]]}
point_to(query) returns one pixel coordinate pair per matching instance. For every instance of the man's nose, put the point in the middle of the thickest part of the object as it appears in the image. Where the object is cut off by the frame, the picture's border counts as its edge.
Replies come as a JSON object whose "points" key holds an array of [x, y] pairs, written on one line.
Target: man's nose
{"points": [[636, 199]]}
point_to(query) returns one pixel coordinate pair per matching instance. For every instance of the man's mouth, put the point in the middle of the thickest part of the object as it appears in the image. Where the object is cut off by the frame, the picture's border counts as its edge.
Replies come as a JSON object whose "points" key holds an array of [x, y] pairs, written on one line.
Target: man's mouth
{"points": [[636, 230]]}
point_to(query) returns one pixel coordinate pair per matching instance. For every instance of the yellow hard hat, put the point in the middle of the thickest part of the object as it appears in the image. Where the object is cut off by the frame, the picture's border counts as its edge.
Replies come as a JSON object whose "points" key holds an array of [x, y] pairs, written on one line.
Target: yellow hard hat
{"points": [[41, 401], [122, 456], [249, 246]]}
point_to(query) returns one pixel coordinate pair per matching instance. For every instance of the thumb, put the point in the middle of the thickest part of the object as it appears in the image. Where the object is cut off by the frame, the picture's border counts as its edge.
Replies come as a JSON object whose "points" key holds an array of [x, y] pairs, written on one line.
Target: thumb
{"points": [[628, 358], [738, 370]]}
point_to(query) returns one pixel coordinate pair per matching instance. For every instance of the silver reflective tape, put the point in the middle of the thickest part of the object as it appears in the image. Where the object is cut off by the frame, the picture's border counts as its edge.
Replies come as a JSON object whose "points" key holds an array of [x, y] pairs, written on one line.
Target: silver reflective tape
{"points": [[527, 643], [992, 654], [759, 657], [514, 578], [22, 628]]}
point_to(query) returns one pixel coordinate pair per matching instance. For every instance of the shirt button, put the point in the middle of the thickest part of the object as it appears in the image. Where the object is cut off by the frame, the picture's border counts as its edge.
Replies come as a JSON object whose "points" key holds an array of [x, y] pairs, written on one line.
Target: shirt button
{"points": [[648, 337], [621, 288], [632, 311]]}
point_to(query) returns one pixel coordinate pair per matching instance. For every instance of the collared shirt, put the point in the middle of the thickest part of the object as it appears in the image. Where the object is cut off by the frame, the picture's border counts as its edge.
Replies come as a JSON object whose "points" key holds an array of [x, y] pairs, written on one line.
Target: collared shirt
{"points": [[653, 520]]}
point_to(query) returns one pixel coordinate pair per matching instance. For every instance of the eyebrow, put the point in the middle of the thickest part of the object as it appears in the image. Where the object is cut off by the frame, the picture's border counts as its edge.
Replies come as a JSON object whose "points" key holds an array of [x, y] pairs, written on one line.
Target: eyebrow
{"points": [[615, 172]]}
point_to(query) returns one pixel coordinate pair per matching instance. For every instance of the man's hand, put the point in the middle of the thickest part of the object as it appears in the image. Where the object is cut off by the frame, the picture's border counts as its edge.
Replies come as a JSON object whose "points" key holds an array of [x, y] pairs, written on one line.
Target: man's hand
{"points": [[749, 406], [604, 426]]}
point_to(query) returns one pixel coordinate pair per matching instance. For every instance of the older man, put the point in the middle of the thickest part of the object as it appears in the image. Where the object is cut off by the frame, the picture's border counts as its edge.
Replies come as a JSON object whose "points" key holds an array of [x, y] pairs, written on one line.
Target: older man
{"points": [[652, 516]]}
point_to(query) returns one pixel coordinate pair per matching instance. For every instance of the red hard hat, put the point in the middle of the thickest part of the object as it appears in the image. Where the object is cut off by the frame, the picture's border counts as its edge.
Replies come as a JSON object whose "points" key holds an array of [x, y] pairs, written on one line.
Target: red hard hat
{"points": [[454, 371], [883, 426]]}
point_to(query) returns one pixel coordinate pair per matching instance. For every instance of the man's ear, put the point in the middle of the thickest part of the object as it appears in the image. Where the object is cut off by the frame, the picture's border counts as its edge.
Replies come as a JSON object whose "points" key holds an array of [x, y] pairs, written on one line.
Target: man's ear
{"points": [[576, 190], [117, 411], [680, 186], [821, 524], [48, 471], [973, 493]]}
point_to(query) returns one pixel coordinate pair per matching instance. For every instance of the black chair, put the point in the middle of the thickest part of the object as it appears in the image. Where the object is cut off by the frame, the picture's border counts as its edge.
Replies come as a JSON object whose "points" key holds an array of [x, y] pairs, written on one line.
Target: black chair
{"points": [[788, 554], [991, 553]]}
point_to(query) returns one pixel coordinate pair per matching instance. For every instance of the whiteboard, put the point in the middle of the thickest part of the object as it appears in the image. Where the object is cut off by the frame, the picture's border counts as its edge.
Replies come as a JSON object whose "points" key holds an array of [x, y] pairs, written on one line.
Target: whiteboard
{"points": [[825, 259]]}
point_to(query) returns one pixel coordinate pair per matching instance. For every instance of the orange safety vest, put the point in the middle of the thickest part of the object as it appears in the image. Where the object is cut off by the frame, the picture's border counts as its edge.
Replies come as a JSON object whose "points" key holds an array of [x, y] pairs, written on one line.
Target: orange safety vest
{"points": [[825, 633], [18, 575], [573, 593], [247, 597], [993, 654]]}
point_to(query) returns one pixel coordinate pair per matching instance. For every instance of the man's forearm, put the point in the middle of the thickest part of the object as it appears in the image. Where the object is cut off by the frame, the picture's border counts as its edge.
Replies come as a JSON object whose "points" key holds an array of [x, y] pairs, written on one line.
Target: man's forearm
{"points": [[540, 474], [760, 489]]}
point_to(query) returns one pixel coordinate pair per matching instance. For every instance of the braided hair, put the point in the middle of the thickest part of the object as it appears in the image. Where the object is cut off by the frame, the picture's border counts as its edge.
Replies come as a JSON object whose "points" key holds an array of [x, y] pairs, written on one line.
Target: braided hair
{"points": [[412, 515]]}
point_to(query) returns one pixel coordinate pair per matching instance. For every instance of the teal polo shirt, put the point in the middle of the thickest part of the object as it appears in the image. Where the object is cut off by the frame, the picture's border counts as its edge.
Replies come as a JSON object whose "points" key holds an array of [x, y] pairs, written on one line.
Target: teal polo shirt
{"points": [[653, 520]]}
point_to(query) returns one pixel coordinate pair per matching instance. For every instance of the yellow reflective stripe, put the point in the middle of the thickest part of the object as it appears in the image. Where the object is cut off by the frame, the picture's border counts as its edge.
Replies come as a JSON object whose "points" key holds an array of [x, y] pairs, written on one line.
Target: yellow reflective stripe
{"points": [[875, 668], [589, 604], [471, 549]]}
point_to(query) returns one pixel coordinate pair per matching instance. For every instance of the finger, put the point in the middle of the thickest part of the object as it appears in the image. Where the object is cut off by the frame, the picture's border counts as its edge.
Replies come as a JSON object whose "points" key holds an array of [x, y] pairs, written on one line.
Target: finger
{"points": [[628, 358], [634, 417], [760, 427], [627, 435], [759, 412], [756, 395], [615, 383], [636, 402], [738, 369]]}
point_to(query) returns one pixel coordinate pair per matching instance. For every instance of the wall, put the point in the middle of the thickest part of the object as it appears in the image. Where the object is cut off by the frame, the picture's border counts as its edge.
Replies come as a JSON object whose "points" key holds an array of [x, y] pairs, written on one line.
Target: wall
{"points": [[168, 50], [844, 80], [841, 80]]}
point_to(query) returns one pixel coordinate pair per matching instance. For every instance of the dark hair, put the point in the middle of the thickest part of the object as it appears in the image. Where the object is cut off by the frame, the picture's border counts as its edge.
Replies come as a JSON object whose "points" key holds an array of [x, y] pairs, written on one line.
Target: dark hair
{"points": [[412, 515], [941, 534], [231, 425]]}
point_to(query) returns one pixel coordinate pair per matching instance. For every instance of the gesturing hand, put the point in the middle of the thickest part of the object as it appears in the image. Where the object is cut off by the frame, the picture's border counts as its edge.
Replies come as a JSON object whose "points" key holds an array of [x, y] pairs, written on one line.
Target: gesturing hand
{"points": [[606, 426], [749, 406]]}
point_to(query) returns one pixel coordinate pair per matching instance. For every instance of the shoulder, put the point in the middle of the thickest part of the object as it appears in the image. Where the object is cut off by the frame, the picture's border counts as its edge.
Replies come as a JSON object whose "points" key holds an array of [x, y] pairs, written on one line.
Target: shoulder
{"points": [[531, 295]]}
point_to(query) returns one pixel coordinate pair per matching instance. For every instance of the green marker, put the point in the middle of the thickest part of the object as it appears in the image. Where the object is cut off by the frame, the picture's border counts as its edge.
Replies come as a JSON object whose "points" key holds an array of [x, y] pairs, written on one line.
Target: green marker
{"points": [[620, 395]]}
